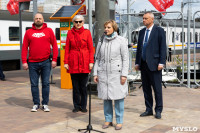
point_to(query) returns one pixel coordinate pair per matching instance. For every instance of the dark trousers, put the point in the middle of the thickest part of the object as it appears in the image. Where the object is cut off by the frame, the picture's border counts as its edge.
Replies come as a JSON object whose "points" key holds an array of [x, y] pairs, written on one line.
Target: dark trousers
{"points": [[79, 82], [2, 76], [35, 70], [154, 79]]}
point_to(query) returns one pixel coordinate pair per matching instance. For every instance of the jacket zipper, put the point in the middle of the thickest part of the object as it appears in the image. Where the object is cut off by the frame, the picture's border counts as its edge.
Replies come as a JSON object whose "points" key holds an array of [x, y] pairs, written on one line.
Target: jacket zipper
{"points": [[107, 68]]}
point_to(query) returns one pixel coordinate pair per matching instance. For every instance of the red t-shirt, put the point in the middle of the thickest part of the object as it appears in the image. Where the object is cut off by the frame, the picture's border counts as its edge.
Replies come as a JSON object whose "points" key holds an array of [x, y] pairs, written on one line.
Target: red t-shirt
{"points": [[39, 42]]}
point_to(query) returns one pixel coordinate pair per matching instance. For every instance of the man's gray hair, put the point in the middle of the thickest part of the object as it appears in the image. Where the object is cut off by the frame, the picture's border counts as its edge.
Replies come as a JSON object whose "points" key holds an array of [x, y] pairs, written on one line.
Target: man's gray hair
{"points": [[78, 17], [150, 13]]}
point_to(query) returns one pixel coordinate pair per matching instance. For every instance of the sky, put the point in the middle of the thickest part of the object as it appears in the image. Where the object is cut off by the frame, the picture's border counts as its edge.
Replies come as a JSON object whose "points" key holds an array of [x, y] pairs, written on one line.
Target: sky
{"points": [[141, 5]]}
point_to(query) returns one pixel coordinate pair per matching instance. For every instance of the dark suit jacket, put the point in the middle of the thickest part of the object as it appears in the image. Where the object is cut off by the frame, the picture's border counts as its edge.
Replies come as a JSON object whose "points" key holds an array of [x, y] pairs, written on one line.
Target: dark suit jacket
{"points": [[155, 49]]}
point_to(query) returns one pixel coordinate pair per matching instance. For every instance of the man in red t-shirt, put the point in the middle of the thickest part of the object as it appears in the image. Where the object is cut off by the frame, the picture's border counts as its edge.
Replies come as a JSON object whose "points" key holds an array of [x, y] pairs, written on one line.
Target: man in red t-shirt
{"points": [[38, 42]]}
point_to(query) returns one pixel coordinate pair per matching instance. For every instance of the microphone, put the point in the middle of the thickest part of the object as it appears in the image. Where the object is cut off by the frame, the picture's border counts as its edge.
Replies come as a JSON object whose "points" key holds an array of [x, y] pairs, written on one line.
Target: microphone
{"points": [[101, 40], [102, 37]]}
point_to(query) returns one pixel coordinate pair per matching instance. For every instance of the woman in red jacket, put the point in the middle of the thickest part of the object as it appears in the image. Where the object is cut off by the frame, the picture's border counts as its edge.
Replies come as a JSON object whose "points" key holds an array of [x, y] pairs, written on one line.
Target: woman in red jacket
{"points": [[79, 59]]}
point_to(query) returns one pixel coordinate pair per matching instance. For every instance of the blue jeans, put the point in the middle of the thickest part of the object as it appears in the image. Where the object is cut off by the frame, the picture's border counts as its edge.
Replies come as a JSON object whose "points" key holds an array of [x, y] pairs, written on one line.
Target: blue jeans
{"points": [[2, 76], [35, 70], [119, 110]]}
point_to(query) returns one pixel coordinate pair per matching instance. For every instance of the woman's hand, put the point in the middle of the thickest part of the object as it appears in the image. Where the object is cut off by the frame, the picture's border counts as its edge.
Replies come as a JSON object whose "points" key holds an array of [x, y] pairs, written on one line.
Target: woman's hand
{"points": [[123, 80], [66, 66], [91, 66], [96, 79]]}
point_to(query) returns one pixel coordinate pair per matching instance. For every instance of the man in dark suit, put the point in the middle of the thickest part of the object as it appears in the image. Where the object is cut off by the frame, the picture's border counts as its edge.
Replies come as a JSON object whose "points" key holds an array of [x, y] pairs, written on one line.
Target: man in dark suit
{"points": [[150, 60], [2, 76]]}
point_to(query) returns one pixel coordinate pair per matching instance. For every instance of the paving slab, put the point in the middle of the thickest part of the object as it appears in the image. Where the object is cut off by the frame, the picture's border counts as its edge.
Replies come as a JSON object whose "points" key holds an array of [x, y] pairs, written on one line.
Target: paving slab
{"points": [[181, 111]]}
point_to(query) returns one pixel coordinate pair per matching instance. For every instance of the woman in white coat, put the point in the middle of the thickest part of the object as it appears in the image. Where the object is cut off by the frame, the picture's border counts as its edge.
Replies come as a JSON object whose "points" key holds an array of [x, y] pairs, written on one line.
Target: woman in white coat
{"points": [[110, 73]]}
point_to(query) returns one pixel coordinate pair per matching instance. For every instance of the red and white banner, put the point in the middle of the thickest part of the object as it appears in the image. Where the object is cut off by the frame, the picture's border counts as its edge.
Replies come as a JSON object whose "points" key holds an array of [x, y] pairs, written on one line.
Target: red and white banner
{"points": [[83, 11], [22, 0], [162, 5], [13, 7], [78, 2]]}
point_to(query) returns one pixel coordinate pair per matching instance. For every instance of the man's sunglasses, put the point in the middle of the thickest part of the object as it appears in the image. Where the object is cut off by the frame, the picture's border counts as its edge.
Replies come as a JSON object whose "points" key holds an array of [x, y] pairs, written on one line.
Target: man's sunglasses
{"points": [[78, 22]]}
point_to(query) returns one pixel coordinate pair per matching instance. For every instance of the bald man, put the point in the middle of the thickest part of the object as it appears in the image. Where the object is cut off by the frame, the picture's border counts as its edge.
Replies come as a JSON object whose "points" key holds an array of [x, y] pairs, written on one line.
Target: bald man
{"points": [[39, 42], [150, 60]]}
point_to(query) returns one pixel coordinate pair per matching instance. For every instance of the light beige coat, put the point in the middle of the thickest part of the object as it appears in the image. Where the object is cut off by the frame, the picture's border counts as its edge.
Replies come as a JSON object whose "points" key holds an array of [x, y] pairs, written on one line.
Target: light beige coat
{"points": [[112, 62]]}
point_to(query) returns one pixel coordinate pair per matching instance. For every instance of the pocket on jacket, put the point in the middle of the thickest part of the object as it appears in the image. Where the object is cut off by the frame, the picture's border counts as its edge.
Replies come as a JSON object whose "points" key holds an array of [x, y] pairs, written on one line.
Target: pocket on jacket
{"points": [[71, 61], [86, 61], [116, 65], [84, 42], [156, 55]]}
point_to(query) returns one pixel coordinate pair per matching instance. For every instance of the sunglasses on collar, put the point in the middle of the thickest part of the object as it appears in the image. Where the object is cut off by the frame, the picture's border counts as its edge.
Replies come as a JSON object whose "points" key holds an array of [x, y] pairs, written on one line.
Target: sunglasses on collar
{"points": [[78, 22]]}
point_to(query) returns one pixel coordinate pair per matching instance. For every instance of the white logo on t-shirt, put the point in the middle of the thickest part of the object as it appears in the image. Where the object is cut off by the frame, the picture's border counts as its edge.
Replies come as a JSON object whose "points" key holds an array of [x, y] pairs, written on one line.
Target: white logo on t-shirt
{"points": [[38, 35]]}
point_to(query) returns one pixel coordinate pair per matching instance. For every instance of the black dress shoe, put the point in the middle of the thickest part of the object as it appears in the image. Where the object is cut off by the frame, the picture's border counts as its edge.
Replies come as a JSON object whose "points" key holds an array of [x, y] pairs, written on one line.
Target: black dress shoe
{"points": [[76, 110], [158, 115], [84, 110], [146, 113], [3, 79]]}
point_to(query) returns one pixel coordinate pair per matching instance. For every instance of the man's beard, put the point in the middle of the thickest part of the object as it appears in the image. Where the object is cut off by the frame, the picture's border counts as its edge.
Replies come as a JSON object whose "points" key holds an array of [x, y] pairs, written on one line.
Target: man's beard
{"points": [[38, 24]]}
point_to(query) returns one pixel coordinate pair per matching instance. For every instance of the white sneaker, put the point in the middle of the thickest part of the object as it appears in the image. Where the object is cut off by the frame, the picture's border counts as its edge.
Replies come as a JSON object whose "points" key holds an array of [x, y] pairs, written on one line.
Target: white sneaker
{"points": [[35, 108], [46, 108]]}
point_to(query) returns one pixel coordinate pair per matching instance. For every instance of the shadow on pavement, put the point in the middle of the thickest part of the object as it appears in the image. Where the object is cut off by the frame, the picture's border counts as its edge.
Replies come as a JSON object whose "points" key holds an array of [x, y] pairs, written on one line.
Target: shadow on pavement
{"points": [[27, 103]]}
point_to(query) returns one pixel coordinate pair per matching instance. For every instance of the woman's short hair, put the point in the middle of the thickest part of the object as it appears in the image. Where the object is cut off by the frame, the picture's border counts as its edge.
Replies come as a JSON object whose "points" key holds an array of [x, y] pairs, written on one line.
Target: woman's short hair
{"points": [[78, 17], [113, 23]]}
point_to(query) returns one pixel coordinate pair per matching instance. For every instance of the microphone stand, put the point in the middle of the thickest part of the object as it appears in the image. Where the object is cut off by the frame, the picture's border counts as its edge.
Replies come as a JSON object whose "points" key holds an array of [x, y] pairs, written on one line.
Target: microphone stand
{"points": [[89, 127], [51, 72]]}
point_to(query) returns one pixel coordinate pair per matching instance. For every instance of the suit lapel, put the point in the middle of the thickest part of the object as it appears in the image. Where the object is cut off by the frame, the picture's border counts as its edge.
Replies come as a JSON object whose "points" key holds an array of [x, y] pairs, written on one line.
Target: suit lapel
{"points": [[142, 35], [152, 33]]}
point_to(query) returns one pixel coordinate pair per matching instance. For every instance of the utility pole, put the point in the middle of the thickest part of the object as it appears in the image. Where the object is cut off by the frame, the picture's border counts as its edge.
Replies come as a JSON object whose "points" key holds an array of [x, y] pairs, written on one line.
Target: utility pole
{"points": [[20, 33], [112, 9], [128, 19], [35, 10], [188, 44], [102, 14], [90, 15]]}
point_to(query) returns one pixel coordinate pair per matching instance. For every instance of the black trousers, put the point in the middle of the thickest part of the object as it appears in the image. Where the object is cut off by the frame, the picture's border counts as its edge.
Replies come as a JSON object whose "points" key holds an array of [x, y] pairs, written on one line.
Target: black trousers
{"points": [[79, 82], [154, 79], [2, 76]]}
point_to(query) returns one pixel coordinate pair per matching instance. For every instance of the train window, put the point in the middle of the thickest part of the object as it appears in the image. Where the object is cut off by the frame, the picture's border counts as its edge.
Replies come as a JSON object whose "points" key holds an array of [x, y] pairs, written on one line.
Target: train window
{"points": [[135, 37], [14, 33], [177, 37], [172, 36], [182, 37], [199, 36], [196, 37], [191, 37], [57, 31], [28, 28]]}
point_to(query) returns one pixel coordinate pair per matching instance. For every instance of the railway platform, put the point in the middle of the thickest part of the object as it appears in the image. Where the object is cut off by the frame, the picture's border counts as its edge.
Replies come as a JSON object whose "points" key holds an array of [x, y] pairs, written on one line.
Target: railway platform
{"points": [[181, 111]]}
